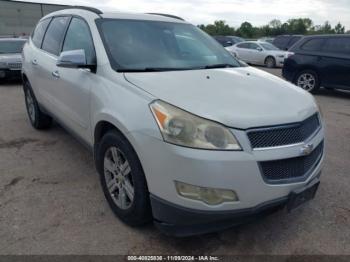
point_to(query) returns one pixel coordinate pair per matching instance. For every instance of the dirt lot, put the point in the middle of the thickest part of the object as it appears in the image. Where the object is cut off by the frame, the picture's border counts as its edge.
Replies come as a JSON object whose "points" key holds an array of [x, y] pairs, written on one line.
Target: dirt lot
{"points": [[51, 201]]}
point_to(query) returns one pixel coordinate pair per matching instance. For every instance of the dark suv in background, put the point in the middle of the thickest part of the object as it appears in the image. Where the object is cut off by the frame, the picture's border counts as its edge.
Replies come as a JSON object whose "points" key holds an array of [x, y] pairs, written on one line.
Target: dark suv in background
{"points": [[284, 42], [226, 41], [322, 60]]}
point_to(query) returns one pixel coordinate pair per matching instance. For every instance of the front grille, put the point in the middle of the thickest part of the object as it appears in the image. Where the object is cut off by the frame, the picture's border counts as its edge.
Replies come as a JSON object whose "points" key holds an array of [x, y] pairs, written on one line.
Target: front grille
{"points": [[297, 168], [16, 65], [285, 134]]}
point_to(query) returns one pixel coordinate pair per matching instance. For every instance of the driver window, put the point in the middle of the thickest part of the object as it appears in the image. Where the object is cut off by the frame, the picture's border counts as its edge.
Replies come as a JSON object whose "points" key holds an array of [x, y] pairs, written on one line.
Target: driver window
{"points": [[78, 37]]}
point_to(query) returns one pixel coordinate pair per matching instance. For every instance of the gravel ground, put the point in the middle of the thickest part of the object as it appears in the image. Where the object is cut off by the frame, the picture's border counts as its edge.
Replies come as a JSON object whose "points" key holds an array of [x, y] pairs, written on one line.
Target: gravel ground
{"points": [[51, 201]]}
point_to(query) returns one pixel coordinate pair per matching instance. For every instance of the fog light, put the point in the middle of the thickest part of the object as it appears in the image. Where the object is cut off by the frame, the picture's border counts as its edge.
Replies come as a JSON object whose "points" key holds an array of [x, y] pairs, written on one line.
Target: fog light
{"points": [[211, 196]]}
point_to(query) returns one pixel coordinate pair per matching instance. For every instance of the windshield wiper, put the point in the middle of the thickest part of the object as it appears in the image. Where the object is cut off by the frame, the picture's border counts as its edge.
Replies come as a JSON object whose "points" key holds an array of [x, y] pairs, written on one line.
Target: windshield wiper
{"points": [[219, 66], [151, 69]]}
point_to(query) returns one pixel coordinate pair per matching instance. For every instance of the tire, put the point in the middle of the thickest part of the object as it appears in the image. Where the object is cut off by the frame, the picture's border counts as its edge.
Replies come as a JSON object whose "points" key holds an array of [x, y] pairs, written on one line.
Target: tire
{"points": [[113, 153], [270, 62], [37, 118], [308, 80]]}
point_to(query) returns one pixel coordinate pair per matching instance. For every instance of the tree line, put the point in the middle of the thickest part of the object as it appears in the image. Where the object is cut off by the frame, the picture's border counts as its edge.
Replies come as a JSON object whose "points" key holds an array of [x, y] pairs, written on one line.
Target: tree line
{"points": [[300, 26]]}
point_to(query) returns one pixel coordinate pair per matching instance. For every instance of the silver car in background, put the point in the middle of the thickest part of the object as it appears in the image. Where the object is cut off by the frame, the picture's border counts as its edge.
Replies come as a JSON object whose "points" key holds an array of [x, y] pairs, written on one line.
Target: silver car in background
{"points": [[258, 53], [10, 57]]}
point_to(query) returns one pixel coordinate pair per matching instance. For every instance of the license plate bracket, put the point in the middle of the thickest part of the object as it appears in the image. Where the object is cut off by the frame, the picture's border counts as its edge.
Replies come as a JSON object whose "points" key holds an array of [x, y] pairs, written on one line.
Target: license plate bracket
{"points": [[301, 196]]}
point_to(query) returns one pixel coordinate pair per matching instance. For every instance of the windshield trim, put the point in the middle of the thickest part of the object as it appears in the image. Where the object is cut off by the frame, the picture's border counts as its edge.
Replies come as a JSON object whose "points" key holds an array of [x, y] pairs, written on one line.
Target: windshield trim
{"points": [[120, 69]]}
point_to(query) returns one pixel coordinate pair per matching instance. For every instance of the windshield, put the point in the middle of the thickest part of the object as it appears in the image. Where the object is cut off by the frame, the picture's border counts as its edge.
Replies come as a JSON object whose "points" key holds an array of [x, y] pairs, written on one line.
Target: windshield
{"points": [[268, 46], [138, 45], [11, 47]]}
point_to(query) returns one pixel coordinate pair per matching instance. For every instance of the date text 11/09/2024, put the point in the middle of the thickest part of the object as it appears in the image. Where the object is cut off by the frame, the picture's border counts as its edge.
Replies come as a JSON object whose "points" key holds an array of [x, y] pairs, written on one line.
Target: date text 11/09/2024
{"points": [[173, 258]]}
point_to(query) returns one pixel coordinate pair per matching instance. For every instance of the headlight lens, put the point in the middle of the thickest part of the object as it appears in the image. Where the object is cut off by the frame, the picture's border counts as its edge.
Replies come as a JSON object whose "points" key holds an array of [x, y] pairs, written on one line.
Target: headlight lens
{"points": [[182, 128]]}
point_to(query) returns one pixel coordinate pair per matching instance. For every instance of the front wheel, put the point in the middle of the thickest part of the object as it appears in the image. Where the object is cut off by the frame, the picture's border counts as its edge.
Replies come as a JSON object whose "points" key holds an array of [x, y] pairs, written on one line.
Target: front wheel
{"points": [[123, 180], [270, 62], [308, 80]]}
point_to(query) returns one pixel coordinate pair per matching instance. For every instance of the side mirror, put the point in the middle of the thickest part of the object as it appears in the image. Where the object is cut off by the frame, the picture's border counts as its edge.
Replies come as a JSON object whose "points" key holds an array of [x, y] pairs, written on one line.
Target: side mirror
{"points": [[259, 49], [72, 59]]}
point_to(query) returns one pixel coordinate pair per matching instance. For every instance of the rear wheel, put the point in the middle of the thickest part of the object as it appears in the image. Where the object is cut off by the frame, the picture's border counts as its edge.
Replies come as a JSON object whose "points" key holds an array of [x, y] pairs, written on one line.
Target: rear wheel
{"points": [[38, 119], [123, 180], [270, 62], [308, 80]]}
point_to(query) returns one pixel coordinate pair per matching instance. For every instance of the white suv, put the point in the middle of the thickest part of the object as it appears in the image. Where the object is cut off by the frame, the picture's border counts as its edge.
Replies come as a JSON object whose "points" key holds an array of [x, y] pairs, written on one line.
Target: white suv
{"points": [[182, 133]]}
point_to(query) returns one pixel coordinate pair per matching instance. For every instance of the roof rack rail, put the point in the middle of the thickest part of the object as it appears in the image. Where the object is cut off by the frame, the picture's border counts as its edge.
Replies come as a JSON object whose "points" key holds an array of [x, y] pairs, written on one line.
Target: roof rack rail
{"points": [[167, 15], [87, 8]]}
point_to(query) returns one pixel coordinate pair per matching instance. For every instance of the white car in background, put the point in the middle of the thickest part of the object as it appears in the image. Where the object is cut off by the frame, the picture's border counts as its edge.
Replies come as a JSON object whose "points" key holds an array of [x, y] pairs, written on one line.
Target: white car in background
{"points": [[10, 57], [259, 53]]}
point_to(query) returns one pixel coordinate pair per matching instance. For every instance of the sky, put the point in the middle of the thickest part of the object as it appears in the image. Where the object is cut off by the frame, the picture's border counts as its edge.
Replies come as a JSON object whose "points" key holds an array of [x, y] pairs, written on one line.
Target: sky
{"points": [[234, 12]]}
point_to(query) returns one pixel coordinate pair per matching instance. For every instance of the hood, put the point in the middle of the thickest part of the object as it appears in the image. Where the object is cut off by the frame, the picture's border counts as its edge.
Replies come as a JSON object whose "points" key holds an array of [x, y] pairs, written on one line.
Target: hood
{"points": [[236, 97]]}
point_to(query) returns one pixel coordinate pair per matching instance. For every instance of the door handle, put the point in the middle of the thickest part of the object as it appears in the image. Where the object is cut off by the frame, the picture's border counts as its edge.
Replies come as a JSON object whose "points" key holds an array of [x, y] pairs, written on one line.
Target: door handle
{"points": [[56, 74], [34, 62]]}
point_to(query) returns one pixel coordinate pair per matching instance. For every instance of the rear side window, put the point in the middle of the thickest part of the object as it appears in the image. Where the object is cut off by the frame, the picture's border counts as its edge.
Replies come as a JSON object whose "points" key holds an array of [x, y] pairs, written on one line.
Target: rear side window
{"points": [[313, 44], [78, 37], [39, 32], [339, 45], [54, 35]]}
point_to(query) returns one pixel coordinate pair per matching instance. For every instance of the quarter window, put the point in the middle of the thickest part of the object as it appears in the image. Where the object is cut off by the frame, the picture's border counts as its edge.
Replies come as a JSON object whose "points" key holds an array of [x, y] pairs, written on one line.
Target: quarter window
{"points": [[39, 32], [78, 37], [340, 45], [54, 35]]}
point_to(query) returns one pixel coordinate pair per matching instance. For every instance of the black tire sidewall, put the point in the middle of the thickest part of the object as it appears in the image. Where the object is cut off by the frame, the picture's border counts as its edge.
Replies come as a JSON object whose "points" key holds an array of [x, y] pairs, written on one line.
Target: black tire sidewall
{"points": [[140, 211], [27, 89]]}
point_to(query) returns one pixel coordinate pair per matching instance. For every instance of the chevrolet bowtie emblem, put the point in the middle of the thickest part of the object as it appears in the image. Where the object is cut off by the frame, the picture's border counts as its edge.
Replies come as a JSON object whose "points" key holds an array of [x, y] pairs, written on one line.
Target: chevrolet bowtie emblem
{"points": [[307, 149]]}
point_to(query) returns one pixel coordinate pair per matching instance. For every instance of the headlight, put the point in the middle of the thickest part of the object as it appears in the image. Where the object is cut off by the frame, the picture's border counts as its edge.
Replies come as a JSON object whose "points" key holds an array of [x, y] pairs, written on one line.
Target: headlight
{"points": [[182, 128], [3, 65]]}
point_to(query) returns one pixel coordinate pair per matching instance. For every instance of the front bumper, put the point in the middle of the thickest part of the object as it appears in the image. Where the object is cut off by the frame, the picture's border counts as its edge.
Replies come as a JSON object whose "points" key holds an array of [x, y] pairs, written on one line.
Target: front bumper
{"points": [[239, 171], [280, 61], [182, 222]]}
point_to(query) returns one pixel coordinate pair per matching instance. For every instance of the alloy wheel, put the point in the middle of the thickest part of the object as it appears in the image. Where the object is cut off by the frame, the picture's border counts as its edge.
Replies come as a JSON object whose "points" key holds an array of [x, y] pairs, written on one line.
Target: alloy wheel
{"points": [[117, 173], [306, 81]]}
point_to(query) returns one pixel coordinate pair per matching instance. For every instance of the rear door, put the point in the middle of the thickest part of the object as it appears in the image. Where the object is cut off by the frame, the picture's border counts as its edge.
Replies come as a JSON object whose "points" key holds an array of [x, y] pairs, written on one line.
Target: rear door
{"points": [[72, 89], [336, 62], [47, 59], [32, 62]]}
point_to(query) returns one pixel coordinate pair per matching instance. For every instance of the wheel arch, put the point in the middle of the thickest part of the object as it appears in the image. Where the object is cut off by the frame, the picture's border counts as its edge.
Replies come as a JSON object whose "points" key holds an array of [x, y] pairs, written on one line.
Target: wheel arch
{"points": [[106, 124]]}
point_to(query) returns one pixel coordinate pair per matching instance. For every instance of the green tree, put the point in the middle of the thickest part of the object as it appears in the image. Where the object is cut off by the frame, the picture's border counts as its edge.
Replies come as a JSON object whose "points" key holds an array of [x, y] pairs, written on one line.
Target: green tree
{"points": [[246, 30], [339, 29], [218, 28]]}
